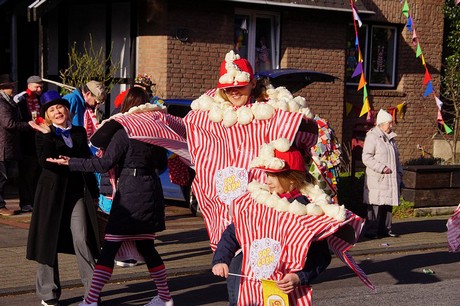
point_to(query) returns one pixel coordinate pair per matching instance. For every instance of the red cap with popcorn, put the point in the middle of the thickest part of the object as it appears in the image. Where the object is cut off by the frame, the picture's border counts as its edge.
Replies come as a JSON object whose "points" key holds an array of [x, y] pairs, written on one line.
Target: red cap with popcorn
{"points": [[235, 71]]}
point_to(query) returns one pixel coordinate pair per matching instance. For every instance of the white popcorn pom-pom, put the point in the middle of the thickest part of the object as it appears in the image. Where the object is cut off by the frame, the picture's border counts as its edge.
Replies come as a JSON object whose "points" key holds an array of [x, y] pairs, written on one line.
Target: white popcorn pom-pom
{"points": [[282, 205], [293, 106], [231, 56], [314, 210], [242, 76], [215, 114], [195, 105], [272, 200], [206, 102], [301, 101], [334, 211], [267, 151], [297, 208], [254, 185], [281, 144], [257, 162], [307, 112], [261, 195], [282, 105], [284, 94], [275, 163], [263, 111], [245, 115], [229, 118]]}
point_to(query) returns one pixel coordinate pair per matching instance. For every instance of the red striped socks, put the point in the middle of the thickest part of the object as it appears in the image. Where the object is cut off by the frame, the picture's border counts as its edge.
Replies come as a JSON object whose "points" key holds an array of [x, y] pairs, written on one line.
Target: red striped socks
{"points": [[101, 276], [158, 274]]}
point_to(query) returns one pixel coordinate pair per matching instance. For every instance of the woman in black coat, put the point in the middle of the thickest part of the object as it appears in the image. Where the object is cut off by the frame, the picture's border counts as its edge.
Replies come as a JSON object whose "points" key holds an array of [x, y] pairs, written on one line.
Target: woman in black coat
{"points": [[64, 216], [138, 210]]}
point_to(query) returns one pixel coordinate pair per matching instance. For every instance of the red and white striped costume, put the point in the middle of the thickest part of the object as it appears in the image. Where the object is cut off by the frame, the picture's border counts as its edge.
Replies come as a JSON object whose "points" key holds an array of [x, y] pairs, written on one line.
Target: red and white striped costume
{"points": [[158, 128], [214, 147], [295, 233], [453, 231]]}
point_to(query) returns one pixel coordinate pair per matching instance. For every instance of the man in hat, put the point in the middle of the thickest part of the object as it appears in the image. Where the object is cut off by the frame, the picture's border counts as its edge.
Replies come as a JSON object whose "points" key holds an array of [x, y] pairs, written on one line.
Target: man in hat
{"points": [[29, 169], [10, 126], [83, 102]]}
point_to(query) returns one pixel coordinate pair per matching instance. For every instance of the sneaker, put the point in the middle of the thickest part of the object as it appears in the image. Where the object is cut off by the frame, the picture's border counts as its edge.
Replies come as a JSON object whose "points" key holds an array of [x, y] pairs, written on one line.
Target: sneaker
{"points": [[126, 263], [26, 209], [6, 212], [52, 302], [156, 301]]}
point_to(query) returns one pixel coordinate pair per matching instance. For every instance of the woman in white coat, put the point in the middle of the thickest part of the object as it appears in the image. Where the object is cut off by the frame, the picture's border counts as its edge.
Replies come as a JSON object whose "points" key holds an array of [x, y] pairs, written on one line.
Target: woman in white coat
{"points": [[383, 177]]}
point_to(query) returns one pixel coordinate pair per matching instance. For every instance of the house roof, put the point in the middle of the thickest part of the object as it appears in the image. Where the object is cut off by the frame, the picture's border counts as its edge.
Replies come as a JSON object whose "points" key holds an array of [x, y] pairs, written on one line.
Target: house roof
{"points": [[328, 5]]}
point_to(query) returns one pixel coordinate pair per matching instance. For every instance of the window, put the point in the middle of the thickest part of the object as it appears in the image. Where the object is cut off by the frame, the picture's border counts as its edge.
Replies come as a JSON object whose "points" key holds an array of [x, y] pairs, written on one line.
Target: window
{"points": [[378, 48], [257, 38]]}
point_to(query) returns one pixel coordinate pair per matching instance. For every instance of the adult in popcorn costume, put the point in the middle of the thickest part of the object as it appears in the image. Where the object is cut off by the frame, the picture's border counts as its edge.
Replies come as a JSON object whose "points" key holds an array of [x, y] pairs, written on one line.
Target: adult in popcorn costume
{"points": [[226, 130]]}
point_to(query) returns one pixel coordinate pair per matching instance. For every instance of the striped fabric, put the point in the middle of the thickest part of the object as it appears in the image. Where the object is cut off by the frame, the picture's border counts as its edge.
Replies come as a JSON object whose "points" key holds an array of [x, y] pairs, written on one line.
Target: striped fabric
{"points": [[295, 233], [101, 276], [90, 122], [158, 274], [214, 147], [128, 249], [453, 231], [157, 128]]}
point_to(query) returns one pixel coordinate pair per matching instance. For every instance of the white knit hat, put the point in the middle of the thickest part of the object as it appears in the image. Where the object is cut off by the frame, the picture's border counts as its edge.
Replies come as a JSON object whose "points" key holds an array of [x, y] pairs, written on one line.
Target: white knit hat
{"points": [[383, 117]]}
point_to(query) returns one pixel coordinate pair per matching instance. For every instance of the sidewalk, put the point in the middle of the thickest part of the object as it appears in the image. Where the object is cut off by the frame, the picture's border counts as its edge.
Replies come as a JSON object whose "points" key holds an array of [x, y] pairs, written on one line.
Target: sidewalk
{"points": [[184, 247]]}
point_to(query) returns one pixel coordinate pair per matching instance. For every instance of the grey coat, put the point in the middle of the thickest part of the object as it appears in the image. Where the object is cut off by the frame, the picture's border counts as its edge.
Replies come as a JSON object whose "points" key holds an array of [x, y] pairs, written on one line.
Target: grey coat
{"points": [[380, 150], [10, 126]]}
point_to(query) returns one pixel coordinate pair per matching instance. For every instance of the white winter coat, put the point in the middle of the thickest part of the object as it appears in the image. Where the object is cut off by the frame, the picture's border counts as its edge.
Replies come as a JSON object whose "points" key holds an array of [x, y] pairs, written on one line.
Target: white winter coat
{"points": [[380, 150]]}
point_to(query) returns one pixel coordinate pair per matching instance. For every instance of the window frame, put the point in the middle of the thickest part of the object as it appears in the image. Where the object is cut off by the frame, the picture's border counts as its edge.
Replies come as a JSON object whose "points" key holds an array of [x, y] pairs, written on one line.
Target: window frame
{"points": [[275, 31], [367, 55]]}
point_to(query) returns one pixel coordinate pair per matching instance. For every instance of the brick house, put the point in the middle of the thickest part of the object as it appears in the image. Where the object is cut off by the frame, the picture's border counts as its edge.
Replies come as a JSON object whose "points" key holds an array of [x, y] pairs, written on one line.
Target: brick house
{"points": [[182, 42]]}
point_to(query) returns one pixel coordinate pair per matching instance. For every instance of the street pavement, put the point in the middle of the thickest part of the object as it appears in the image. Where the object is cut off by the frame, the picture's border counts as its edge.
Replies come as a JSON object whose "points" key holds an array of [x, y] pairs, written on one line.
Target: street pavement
{"points": [[184, 246]]}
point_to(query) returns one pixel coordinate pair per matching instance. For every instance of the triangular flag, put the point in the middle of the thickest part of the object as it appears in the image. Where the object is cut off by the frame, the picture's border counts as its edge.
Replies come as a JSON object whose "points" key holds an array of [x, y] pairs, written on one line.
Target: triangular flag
{"points": [[423, 60], [409, 23], [405, 9], [356, 42], [438, 102], [355, 16], [400, 108], [360, 56], [447, 128], [419, 51], [392, 112], [427, 77], [348, 108], [358, 69], [362, 82], [365, 108], [429, 89], [440, 119], [365, 92], [414, 37]]}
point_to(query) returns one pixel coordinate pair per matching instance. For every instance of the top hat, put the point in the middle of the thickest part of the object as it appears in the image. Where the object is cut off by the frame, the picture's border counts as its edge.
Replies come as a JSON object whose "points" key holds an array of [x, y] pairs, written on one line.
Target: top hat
{"points": [[49, 99]]}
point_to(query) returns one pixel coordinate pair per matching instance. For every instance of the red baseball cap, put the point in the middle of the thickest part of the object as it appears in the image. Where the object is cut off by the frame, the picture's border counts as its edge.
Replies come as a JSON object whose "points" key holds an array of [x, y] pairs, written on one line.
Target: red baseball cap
{"points": [[244, 75], [293, 160]]}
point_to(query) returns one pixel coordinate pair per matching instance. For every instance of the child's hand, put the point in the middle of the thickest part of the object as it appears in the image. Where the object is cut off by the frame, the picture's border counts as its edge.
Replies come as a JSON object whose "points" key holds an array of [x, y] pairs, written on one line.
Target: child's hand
{"points": [[220, 269], [289, 282]]}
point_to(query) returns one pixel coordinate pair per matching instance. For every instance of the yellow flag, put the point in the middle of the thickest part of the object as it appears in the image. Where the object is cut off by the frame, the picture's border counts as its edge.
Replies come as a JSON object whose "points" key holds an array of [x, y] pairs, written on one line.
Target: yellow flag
{"points": [[360, 57], [423, 60], [348, 108], [273, 296], [400, 108], [365, 108]]}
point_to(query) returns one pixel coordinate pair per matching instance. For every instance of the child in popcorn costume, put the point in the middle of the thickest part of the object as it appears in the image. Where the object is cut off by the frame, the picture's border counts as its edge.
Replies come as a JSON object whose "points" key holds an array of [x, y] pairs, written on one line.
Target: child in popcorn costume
{"points": [[286, 182]]}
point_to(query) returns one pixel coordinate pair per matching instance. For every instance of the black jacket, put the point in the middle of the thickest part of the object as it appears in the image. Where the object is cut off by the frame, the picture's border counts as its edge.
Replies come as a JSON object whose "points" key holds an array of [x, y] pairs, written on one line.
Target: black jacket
{"points": [[49, 231], [138, 206]]}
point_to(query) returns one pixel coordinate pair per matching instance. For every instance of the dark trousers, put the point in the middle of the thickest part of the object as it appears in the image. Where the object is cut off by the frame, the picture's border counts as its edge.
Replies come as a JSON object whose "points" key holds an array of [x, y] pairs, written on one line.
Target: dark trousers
{"points": [[233, 282], [29, 172], [379, 219], [5, 170]]}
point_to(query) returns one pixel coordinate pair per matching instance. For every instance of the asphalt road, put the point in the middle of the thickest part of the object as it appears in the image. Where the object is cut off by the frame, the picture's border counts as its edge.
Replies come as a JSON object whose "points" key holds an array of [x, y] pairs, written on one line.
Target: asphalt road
{"points": [[399, 278]]}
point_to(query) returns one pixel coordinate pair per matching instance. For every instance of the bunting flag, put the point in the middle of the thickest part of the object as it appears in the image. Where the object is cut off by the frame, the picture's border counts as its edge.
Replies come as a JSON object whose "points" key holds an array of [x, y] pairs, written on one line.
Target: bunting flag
{"points": [[359, 67], [348, 108], [427, 80], [401, 109], [427, 77], [429, 89], [397, 111]]}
